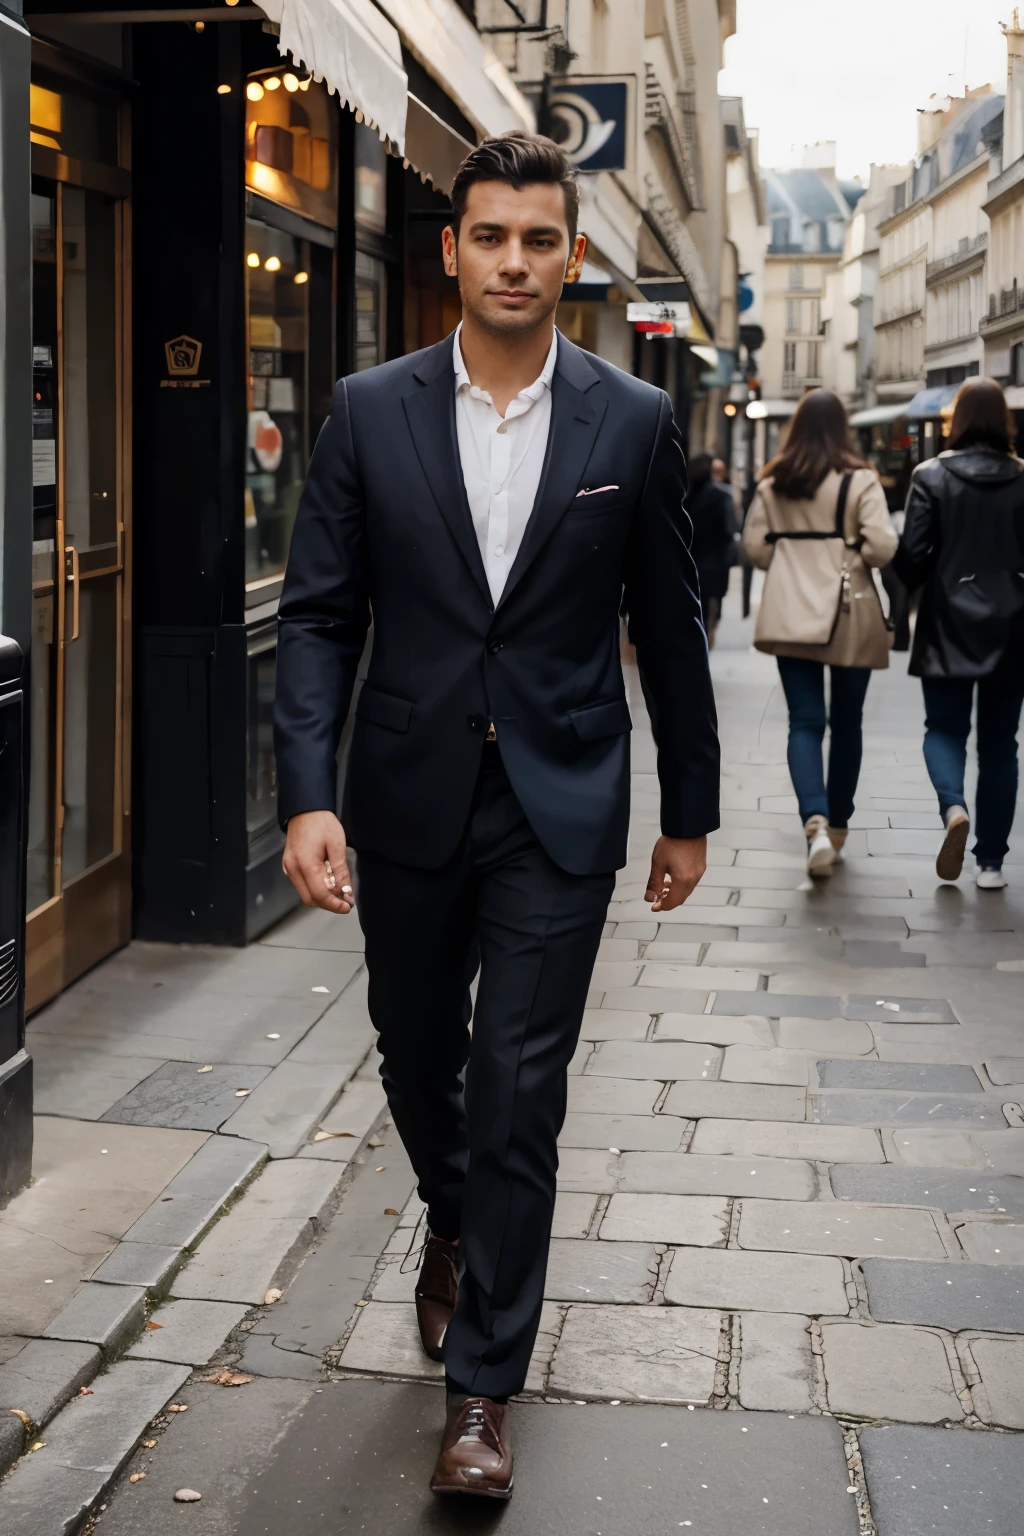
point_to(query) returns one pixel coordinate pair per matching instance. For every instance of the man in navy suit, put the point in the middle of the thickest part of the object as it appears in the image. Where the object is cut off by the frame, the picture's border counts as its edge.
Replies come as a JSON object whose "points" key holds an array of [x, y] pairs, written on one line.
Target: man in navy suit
{"points": [[490, 501]]}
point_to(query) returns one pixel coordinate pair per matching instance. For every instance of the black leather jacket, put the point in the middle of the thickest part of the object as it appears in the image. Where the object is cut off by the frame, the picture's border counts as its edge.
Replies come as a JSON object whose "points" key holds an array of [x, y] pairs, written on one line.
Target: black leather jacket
{"points": [[963, 540]]}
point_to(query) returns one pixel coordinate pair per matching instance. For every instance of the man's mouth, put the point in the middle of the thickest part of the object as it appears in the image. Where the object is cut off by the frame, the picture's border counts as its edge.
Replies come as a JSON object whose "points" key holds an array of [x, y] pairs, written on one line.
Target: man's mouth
{"points": [[512, 296]]}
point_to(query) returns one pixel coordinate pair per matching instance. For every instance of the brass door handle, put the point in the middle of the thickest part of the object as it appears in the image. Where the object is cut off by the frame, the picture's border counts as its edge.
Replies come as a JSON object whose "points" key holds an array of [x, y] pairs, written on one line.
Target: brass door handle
{"points": [[71, 553]]}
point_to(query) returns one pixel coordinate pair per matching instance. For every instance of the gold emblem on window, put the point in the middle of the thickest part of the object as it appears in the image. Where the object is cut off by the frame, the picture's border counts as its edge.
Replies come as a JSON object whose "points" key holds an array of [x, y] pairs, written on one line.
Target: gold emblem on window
{"points": [[183, 354]]}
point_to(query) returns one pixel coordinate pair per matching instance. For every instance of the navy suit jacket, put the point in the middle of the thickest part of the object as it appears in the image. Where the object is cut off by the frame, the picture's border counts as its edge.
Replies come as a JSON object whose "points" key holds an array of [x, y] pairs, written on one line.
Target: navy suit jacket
{"points": [[384, 529]]}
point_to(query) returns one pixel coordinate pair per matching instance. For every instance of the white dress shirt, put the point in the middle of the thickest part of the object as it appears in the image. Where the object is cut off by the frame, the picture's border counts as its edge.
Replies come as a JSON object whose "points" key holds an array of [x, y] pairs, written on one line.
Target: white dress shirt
{"points": [[501, 462]]}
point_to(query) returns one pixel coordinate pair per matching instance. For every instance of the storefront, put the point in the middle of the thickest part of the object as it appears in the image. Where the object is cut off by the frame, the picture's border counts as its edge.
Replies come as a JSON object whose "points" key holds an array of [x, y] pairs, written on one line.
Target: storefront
{"points": [[216, 237]]}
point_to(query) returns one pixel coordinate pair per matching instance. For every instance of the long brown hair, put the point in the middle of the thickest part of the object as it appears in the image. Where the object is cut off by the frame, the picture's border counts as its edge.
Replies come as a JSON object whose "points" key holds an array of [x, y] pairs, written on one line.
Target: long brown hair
{"points": [[981, 417], [818, 440]]}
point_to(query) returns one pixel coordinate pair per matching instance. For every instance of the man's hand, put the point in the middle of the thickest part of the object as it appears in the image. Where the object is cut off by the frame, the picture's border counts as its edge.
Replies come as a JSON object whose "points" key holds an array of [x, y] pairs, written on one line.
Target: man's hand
{"points": [[677, 865], [316, 861]]}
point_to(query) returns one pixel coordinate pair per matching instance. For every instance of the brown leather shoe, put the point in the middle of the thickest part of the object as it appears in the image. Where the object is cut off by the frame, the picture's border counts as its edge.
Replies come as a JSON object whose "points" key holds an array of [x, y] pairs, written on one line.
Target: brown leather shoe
{"points": [[435, 1292], [476, 1451]]}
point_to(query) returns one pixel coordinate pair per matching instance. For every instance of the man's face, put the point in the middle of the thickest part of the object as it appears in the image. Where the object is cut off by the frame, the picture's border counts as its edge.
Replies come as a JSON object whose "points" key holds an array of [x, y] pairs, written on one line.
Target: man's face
{"points": [[513, 254], [719, 470]]}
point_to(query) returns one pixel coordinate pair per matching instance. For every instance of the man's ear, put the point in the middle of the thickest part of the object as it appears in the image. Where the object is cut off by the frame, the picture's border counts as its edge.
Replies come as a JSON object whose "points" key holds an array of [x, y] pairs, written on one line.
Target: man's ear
{"points": [[448, 251], [574, 267]]}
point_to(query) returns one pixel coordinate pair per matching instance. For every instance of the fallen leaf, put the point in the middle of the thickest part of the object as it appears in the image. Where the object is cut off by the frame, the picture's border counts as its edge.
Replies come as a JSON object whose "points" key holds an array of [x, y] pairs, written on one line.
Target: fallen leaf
{"points": [[389, 1210], [274, 1294], [228, 1379], [177, 1408], [149, 1444], [136, 1477], [380, 1169], [321, 989], [38, 1445], [242, 1093], [19, 1413], [85, 1391], [373, 1145], [187, 1496], [273, 1037], [326, 1135], [154, 1325], [204, 1069]]}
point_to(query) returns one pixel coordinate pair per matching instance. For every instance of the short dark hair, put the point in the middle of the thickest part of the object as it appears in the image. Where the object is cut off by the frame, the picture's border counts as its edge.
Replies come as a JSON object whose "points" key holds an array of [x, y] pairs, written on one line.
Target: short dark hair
{"points": [[981, 417], [818, 440], [520, 159]]}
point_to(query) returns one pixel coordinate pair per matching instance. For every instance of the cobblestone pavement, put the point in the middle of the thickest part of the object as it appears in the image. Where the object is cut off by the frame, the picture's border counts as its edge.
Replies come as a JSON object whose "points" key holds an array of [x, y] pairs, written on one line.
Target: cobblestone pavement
{"points": [[786, 1289]]}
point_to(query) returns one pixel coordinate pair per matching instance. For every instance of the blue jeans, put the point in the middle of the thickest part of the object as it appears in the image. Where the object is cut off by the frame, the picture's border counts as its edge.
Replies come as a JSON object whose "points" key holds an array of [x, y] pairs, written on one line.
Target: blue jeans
{"points": [[947, 703], [804, 685]]}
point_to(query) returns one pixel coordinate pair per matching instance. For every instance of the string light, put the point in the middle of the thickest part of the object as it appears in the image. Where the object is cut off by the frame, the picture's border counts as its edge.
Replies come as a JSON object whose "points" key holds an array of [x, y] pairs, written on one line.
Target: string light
{"points": [[252, 260], [273, 83], [301, 277], [273, 264], [223, 90], [291, 82], [254, 91]]}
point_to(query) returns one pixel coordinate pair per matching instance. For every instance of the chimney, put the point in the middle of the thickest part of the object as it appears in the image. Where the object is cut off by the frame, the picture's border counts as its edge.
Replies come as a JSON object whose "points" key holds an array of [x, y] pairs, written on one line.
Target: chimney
{"points": [[819, 157], [1013, 120]]}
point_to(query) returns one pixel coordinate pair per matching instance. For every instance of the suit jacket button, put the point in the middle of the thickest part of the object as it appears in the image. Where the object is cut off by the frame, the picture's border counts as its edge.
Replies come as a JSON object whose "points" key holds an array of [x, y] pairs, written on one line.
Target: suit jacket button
{"points": [[476, 722], [495, 646]]}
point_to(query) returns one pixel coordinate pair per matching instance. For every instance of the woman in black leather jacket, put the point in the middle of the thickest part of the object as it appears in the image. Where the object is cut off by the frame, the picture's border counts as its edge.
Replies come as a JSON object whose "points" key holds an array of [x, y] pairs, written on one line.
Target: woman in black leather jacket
{"points": [[964, 541]]}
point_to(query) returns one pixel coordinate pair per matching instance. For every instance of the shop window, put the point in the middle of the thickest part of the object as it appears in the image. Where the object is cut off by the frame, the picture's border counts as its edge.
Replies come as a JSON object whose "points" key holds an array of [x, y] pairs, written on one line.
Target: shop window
{"points": [[291, 144], [371, 289], [371, 180], [62, 119], [277, 293], [261, 768]]}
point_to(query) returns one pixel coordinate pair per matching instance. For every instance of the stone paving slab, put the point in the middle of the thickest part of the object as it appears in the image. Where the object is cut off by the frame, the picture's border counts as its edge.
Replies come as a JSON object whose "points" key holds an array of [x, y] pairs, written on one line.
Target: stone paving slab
{"points": [[696, 1220], [663, 1061], [907, 1010], [181, 1098], [659, 1000], [953, 1296], [609, 1272], [694, 978], [839, 1108], [189, 1332], [916, 1077], [106, 1315], [946, 1189], [736, 1101], [999, 1396], [68, 1080], [777, 1178], [638, 1354], [309, 928], [776, 1362], [612, 1024], [361, 1103], [992, 1242], [590, 1170], [933, 1482], [48, 1494], [777, 1005], [889, 1373], [592, 1094], [147, 1264], [714, 1030], [733, 1280], [751, 1064], [1005, 1069], [768, 1138], [194, 1196], [282, 1110], [852, 1037], [45, 1375], [574, 1213], [853, 1231], [629, 1133], [240, 1258]]}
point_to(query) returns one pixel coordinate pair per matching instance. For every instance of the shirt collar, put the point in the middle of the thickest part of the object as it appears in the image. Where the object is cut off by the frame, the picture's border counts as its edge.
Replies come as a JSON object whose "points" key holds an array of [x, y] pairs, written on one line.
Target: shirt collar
{"points": [[532, 391]]}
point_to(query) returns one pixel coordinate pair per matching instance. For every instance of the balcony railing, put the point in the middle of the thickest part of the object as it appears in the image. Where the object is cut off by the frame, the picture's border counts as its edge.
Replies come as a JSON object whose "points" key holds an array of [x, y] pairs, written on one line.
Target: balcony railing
{"points": [[1008, 301], [966, 248], [794, 384]]}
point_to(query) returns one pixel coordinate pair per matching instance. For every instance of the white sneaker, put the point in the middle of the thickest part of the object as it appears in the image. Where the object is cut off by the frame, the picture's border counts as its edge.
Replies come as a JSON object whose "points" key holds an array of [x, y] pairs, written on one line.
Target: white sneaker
{"points": [[821, 856], [990, 879], [951, 855]]}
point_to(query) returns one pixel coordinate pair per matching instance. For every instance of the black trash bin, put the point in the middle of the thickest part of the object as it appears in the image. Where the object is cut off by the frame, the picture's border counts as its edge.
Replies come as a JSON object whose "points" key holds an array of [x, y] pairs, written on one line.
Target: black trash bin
{"points": [[15, 1066]]}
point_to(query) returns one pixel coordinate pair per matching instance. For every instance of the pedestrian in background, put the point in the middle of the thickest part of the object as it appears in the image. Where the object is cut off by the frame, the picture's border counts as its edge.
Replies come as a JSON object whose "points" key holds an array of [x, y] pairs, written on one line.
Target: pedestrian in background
{"points": [[964, 540], [817, 523], [710, 505]]}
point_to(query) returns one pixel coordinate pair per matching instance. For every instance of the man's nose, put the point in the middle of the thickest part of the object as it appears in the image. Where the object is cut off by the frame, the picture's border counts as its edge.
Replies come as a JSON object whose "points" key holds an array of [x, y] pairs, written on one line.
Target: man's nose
{"points": [[513, 258]]}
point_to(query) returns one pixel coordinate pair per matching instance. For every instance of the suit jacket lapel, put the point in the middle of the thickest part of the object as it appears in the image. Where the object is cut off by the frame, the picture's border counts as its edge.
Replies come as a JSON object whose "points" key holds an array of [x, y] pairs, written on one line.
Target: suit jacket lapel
{"points": [[575, 422], [430, 412]]}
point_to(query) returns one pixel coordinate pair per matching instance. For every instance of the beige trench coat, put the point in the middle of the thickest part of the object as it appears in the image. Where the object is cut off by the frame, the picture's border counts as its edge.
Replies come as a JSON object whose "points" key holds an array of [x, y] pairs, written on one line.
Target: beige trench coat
{"points": [[797, 616]]}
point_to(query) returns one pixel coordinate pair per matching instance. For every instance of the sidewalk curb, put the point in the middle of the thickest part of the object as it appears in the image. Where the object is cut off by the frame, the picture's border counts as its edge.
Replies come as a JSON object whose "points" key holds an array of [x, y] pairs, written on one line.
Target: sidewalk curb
{"points": [[43, 1395]]}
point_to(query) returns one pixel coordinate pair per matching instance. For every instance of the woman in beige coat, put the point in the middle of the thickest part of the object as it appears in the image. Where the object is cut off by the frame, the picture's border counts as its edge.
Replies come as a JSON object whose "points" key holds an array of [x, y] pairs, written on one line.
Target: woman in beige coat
{"points": [[817, 522]]}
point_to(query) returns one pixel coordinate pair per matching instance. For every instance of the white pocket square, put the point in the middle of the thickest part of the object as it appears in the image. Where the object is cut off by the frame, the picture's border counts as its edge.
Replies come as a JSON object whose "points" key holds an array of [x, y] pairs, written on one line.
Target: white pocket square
{"points": [[596, 490]]}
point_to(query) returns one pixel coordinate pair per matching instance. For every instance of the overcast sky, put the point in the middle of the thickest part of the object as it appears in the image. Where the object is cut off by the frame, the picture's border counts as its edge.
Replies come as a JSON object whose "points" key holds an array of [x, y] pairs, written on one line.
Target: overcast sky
{"points": [[828, 69]]}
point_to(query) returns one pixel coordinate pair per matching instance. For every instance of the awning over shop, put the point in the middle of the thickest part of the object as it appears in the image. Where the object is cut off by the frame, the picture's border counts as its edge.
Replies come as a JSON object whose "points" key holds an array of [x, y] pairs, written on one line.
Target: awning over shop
{"points": [[444, 40], [880, 415], [431, 147], [1014, 397], [932, 403], [355, 50]]}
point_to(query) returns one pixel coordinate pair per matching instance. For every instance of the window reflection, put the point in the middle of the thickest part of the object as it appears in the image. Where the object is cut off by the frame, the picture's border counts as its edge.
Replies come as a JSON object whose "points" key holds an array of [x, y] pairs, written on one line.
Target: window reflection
{"points": [[370, 297], [277, 450]]}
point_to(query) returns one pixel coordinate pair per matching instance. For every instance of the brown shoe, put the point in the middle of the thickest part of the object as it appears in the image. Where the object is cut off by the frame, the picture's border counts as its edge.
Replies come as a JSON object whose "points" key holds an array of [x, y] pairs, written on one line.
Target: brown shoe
{"points": [[435, 1293], [476, 1450]]}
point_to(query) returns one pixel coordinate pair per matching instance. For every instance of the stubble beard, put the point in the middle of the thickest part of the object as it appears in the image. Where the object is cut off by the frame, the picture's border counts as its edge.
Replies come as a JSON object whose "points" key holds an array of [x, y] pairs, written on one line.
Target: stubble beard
{"points": [[510, 322]]}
